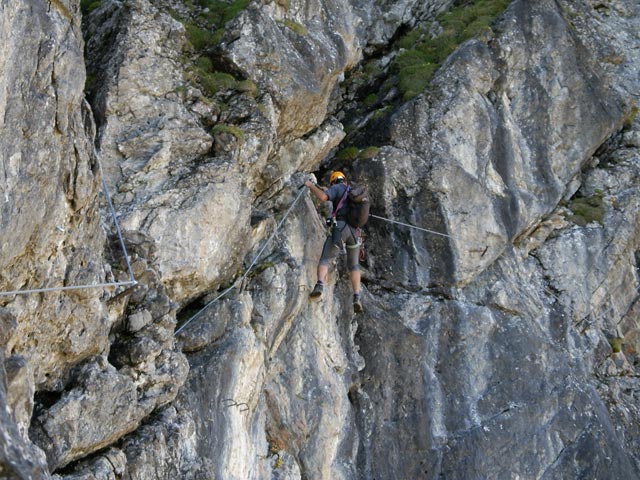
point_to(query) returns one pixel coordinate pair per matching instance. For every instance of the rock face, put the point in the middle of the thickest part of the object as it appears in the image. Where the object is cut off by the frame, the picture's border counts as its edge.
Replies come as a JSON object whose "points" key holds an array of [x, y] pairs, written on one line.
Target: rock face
{"points": [[51, 235], [508, 347]]}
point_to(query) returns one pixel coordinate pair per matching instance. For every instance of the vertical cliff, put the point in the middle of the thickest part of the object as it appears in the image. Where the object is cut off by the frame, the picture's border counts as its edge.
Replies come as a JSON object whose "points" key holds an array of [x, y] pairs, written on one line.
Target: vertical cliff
{"points": [[507, 347]]}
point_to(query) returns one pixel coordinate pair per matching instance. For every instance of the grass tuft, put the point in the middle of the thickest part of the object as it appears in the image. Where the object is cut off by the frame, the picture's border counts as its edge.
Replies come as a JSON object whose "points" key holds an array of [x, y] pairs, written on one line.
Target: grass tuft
{"points": [[585, 210], [630, 115], [295, 27], [204, 27], [214, 82], [88, 6], [223, 128], [368, 153], [349, 153]]}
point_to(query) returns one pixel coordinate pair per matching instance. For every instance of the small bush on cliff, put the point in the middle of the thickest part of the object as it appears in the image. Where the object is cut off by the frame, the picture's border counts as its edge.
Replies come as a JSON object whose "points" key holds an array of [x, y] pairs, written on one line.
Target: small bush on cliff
{"points": [[630, 115], [248, 87], [587, 210], [295, 27], [201, 38], [215, 82], [616, 344], [353, 153], [349, 153], [223, 128], [216, 12], [204, 26], [88, 6], [210, 80], [415, 78], [368, 153]]}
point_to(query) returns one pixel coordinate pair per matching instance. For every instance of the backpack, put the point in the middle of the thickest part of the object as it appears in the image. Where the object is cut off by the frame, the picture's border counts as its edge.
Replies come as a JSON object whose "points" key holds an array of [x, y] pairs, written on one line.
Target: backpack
{"points": [[358, 203]]}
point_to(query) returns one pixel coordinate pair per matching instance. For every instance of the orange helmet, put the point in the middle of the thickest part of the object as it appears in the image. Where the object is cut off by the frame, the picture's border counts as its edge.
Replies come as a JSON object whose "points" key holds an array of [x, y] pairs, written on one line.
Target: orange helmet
{"points": [[337, 177]]}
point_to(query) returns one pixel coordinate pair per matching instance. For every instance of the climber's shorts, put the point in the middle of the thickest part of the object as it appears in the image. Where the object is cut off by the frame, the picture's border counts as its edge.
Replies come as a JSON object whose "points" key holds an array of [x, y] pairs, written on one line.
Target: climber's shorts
{"points": [[333, 245]]}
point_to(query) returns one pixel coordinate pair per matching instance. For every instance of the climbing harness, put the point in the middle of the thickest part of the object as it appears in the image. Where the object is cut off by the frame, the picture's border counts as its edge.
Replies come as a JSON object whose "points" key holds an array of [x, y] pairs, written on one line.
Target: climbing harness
{"points": [[131, 281], [410, 226], [246, 273]]}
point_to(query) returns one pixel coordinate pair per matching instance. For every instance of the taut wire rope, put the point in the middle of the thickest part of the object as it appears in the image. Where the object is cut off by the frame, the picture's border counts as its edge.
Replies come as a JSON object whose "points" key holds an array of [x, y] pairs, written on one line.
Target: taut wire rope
{"points": [[409, 225], [244, 275]]}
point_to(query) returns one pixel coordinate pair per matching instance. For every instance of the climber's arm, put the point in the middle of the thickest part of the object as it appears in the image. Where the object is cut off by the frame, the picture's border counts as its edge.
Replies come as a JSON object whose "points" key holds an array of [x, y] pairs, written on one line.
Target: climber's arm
{"points": [[317, 191]]}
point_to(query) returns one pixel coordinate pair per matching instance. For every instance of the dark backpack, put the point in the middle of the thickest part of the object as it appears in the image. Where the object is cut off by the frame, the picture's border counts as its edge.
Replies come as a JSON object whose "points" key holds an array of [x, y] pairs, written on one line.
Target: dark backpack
{"points": [[358, 203]]}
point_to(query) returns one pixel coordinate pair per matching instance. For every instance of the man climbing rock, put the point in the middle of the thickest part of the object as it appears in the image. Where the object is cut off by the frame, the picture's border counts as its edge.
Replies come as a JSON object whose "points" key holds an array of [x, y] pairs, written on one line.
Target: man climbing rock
{"points": [[341, 232]]}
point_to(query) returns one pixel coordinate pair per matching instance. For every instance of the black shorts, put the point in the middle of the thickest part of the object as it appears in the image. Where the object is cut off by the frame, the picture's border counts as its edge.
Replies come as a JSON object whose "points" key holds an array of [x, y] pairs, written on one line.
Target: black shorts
{"points": [[351, 237]]}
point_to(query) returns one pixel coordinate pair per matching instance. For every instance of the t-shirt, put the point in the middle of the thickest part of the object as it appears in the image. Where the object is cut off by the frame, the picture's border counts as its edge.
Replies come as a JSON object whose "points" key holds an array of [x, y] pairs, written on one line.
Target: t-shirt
{"points": [[335, 192]]}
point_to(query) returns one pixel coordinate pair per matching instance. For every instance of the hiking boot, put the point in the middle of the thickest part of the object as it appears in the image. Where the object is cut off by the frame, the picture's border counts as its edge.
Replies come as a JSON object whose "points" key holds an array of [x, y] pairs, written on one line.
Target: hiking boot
{"points": [[357, 305], [317, 291]]}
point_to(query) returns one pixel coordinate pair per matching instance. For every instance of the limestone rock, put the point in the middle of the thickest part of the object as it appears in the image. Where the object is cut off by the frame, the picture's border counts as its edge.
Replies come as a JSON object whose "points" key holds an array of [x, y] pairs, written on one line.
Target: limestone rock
{"points": [[88, 424], [150, 143], [294, 56], [108, 466], [380, 21], [165, 449], [508, 348], [20, 391], [19, 458], [139, 320], [459, 398], [479, 136], [51, 233]]}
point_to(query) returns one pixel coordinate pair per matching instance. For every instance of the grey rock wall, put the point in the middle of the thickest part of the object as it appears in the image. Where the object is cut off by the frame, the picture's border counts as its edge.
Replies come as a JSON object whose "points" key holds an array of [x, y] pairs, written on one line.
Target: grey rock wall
{"points": [[508, 348], [381, 20], [501, 124], [51, 234], [474, 350]]}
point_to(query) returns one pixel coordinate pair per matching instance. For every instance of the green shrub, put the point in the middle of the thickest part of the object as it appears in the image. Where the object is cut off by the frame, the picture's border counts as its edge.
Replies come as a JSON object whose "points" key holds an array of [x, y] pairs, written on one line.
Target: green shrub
{"points": [[414, 79], [380, 112], [214, 82], [205, 30], [88, 6], [294, 27], [220, 12], [616, 344], [368, 153], [630, 115], [479, 26], [200, 38], [349, 153], [408, 40], [370, 99], [372, 69], [247, 87], [410, 58], [228, 129], [587, 210], [438, 49], [233, 9], [204, 64]]}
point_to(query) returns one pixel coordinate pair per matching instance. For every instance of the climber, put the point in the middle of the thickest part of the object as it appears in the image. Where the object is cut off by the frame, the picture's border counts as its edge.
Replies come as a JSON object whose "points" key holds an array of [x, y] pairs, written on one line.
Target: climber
{"points": [[341, 232]]}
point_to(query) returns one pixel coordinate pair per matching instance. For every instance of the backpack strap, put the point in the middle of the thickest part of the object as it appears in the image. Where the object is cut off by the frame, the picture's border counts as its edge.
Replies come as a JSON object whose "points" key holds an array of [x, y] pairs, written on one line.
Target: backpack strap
{"points": [[342, 199]]}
